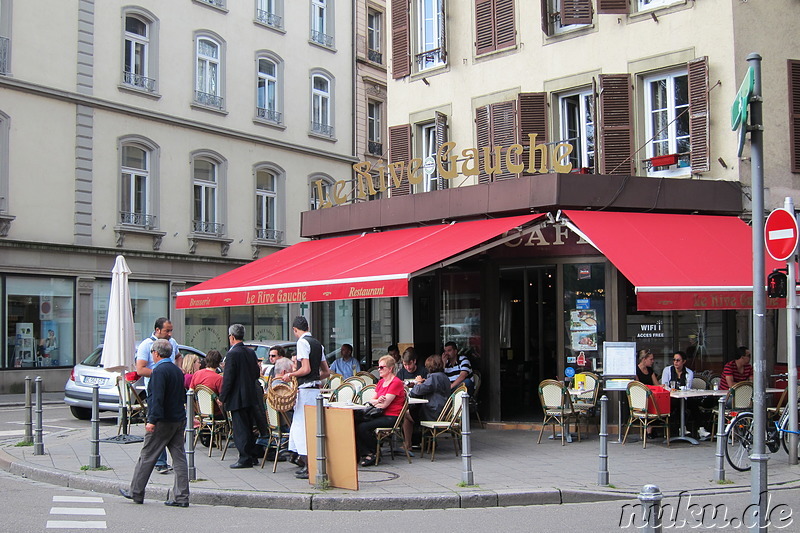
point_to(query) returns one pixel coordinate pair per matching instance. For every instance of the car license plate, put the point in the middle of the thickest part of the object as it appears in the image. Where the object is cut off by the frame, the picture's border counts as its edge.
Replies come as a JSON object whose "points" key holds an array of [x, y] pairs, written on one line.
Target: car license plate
{"points": [[91, 380]]}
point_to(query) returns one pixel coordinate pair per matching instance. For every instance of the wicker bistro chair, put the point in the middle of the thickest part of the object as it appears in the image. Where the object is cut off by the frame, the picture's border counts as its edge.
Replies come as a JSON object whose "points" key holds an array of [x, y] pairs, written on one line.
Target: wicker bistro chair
{"points": [[699, 384], [586, 404], [448, 423], [382, 434], [215, 424], [738, 398], [346, 392], [333, 381], [557, 407], [368, 378], [366, 394], [228, 436], [639, 398], [356, 381], [276, 421]]}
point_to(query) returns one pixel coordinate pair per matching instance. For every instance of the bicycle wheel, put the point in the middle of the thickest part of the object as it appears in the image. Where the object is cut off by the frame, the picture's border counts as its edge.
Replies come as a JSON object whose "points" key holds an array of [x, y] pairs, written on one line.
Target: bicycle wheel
{"points": [[785, 440], [739, 442]]}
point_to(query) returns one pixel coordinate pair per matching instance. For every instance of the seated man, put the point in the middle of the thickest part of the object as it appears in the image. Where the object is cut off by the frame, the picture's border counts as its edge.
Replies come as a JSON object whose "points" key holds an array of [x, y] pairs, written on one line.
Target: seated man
{"points": [[737, 370], [275, 354], [457, 367], [410, 368], [346, 365]]}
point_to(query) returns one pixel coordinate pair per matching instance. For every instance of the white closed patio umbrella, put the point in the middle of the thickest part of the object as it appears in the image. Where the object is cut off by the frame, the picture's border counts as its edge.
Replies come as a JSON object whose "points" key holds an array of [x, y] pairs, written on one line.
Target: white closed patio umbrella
{"points": [[119, 341]]}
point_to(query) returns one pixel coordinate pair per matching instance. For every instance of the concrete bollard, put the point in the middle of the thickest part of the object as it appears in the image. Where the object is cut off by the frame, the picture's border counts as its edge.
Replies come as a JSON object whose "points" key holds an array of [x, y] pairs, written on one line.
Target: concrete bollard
{"points": [[190, 432], [466, 445], [28, 411], [719, 471], [602, 474], [651, 497], [38, 443], [94, 452], [321, 480]]}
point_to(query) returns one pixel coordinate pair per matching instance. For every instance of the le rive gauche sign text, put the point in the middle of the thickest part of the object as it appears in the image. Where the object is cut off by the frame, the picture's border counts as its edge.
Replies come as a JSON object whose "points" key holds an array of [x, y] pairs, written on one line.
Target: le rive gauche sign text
{"points": [[447, 167]]}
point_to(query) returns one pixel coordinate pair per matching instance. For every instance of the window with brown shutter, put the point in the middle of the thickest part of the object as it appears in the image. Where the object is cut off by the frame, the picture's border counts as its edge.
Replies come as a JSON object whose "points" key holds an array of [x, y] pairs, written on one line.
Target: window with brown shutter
{"points": [[698, 115], [794, 113], [440, 125], [616, 124], [401, 51], [504, 134], [576, 12], [483, 137], [400, 151], [612, 7], [547, 28], [532, 119], [495, 25]]}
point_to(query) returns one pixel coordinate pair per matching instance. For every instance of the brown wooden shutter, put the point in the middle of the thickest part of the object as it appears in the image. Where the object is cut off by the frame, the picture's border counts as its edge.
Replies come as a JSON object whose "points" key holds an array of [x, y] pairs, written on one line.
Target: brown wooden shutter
{"points": [[612, 7], [483, 137], [547, 28], [505, 24], [532, 118], [484, 26], [440, 126], [576, 12], [616, 124], [400, 150], [504, 134], [401, 58], [442, 32], [794, 113], [698, 115]]}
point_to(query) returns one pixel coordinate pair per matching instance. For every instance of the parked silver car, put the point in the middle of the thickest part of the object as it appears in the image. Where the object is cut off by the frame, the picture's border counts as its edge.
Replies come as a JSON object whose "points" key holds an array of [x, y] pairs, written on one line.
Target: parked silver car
{"points": [[78, 389], [262, 349]]}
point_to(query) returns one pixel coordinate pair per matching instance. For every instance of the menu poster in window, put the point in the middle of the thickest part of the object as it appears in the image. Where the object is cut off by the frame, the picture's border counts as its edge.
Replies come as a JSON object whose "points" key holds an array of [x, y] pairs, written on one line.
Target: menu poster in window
{"points": [[619, 358], [583, 329]]}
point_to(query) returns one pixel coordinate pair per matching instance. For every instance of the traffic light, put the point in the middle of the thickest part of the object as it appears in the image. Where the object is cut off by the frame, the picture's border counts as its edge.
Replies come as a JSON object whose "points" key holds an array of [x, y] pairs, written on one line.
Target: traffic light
{"points": [[776, 284]]}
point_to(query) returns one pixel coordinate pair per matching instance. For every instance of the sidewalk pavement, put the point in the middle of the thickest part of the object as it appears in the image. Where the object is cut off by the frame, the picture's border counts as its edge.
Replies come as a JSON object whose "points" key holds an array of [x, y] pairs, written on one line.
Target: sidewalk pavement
{"points": [[509, 468]]}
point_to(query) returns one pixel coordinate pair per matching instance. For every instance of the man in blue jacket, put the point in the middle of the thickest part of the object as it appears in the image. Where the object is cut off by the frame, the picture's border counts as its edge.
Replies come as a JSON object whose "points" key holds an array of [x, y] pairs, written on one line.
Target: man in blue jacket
{"points": [[166, 418]]}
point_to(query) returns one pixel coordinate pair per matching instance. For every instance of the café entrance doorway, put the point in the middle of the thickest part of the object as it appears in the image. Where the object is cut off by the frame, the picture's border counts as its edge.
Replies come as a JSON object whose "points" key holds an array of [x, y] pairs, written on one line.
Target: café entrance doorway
{"points": [[528, 338]]}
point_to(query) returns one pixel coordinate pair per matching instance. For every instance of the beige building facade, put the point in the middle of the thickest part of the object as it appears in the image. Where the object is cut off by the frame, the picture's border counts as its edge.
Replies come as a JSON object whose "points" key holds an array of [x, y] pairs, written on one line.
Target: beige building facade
{"points": [[186, 136]]}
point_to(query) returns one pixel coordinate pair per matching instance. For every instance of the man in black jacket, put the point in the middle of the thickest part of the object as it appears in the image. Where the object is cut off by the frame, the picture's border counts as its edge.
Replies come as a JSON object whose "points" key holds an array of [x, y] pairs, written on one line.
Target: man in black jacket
{"points": [[166, 418], [241, 395]]}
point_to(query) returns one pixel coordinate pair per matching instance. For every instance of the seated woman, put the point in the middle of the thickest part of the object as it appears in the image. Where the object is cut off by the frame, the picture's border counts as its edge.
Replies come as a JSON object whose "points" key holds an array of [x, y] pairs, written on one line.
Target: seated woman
{"points": [[390, 395], [435, 389], [644, 369], [191, 364], [678, 373]]}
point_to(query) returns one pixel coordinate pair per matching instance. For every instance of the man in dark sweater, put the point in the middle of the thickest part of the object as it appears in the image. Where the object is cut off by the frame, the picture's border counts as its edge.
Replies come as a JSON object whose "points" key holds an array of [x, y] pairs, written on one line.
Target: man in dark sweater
{"points": [[166, 418]]}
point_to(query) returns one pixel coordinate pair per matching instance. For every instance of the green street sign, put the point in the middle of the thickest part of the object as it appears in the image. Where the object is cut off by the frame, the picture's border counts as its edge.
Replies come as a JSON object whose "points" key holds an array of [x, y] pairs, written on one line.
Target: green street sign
{"points": [[740, 103]]}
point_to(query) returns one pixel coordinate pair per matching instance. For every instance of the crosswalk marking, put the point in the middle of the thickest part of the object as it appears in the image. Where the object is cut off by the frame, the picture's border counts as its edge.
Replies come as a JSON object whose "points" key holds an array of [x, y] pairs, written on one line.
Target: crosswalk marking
{"points": [[75, 524], [77, 499], [90, 511]]}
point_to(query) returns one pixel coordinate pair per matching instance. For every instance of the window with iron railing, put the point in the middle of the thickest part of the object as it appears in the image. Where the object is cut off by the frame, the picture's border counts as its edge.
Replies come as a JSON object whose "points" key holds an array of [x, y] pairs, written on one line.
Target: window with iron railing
{"points": [[211, 228], [210, 100], [270, 19], [269, 114], [137, 219], [322, 129], [322, 38], [139, 81], [265, 234]]}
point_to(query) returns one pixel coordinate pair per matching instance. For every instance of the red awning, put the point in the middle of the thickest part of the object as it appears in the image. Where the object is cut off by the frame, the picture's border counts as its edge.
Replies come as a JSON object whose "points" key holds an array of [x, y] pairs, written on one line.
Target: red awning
{"points": [[676, 262], [370, 265]]}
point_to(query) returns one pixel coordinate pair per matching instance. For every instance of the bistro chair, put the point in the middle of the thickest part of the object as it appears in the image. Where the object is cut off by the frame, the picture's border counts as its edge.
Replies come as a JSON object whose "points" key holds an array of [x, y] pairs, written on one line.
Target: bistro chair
{"points": [[473, 399], [699, 384], [129, 397], [448, 423], [264, 382], [390, 433], [278, 438], [585, 404], [375, 372], [228, 437], [738, 398], [212, 422], [368, 378], [641, 403], [557, 407], [366, 394], [346, 392], [713, 383], [356, 381], [333, 381]]}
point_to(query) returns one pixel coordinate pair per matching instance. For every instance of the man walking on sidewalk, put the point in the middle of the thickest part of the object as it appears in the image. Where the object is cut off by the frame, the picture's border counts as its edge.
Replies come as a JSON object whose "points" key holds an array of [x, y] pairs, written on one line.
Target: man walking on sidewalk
{"points": [[166, 417]]}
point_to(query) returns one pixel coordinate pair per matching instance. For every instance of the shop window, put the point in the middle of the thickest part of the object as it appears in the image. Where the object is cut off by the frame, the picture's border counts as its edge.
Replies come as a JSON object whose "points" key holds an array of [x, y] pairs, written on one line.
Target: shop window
{"points": [[40, 322], [495, 25], [374, 36], [268, 88], [149, 301], [268, 12], [322, 105], [337, 323], [460, 319], [208, 72], [584, 315], [322, 23], [559, 16], [268, 206], [577, 128]]}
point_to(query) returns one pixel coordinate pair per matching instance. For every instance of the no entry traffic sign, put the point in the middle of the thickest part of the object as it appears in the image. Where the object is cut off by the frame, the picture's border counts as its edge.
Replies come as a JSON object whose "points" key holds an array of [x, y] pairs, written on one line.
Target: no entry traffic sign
{"points": [[780, 234]]}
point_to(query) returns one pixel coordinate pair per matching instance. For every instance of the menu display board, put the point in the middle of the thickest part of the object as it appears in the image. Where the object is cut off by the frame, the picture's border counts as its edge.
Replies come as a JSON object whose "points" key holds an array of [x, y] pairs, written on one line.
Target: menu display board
{"points": [[619, 359]]}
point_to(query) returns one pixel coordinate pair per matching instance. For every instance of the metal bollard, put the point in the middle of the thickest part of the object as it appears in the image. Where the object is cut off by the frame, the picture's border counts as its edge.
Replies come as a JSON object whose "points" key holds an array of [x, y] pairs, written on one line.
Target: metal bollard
{"points": [[28, 411], [651, 505], [94, 452], [190, 432], [38, 443], [466, 445], [719, 471], [321, 480], [602, 474]]}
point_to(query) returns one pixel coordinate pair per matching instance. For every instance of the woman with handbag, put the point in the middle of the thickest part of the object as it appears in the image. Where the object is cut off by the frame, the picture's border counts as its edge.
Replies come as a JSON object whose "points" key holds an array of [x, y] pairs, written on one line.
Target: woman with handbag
{"points": [[390, 395]]}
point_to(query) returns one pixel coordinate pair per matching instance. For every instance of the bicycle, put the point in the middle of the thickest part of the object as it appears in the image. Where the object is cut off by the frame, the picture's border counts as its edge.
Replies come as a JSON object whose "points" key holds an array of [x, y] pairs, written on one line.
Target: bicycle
{"points": [[739, 438]]}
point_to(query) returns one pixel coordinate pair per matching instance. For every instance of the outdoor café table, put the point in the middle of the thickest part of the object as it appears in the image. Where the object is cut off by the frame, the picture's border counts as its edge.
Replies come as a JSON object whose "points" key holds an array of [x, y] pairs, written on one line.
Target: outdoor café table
{"points": [[346, 405]]}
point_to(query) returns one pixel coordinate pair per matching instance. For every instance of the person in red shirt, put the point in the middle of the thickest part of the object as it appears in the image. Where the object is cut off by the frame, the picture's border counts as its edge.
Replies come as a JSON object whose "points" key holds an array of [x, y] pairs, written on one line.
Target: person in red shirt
{"points": [[208, 376], [737, 370], [390, 395]]}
